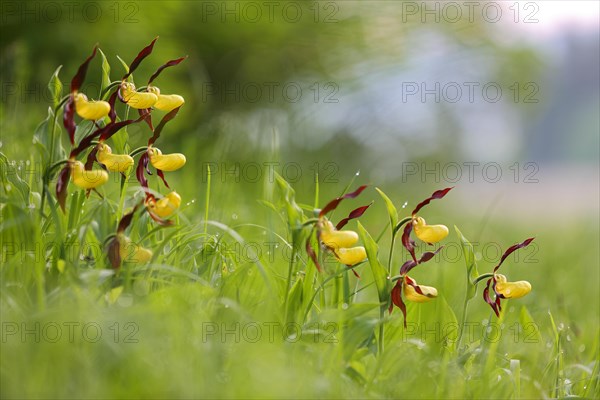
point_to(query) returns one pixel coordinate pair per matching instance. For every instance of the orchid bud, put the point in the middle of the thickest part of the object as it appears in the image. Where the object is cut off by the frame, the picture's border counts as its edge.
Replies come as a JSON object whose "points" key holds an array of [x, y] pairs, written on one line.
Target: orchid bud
{"points": [[418, 293], [166, 162], [138, 100], [90, 110], [134, 253], [113, 162], [511, 290], [335, 239], [166, 206], [429, 233], [350, 256], [87, 179], [166, 102]]}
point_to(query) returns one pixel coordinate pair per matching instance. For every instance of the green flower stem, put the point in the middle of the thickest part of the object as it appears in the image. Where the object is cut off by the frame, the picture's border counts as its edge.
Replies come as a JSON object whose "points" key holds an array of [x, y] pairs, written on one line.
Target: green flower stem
{"points": [[137, 151], [465, 308], [395, 230], [108, 89], [289, 282]]}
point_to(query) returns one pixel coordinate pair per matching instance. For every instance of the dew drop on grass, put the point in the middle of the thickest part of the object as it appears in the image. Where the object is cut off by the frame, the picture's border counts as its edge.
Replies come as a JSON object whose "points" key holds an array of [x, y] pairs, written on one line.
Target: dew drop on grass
{"points": [[234, 216], [405, 204], [8, 187], [561, 326], [581, 348], [345, 306], [357, 173]]}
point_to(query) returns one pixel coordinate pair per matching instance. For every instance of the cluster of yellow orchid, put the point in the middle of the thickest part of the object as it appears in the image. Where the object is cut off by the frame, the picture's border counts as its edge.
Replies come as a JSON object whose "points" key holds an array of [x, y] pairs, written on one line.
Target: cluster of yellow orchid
{"points": [[104, 117]]}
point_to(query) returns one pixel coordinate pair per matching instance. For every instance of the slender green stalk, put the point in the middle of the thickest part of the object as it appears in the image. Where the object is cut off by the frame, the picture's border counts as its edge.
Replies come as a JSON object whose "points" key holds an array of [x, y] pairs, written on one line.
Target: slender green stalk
{"points": [[207, 199], [289, 282]]}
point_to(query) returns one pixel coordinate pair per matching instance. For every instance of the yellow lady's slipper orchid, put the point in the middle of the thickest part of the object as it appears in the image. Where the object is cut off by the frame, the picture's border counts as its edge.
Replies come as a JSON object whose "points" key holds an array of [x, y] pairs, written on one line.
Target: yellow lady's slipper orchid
{"points": [[166, 206], [113, 162], [90, 110], [411, 293], [138, 100], [166, 162], [132, 252], [87, 179], [335, 239], [511, 290], [429, 233], [166, 102], [350, 256]]}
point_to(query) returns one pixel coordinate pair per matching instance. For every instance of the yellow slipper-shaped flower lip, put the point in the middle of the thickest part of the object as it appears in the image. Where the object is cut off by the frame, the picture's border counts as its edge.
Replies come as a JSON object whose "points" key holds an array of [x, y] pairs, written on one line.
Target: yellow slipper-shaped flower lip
{"points": [[90, 110], [411, 291], [87, 179], [114, 162], [166, 162], [335, 239], [166, 102], [137, 100], [132, 252], [351, 256], [511, 290], [166, 206], [429, 233]]}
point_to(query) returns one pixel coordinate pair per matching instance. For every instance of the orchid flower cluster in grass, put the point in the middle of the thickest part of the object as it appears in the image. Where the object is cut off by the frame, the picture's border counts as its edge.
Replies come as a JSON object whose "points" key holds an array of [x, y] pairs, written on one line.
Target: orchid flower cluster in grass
{"points": [[92, 158]]}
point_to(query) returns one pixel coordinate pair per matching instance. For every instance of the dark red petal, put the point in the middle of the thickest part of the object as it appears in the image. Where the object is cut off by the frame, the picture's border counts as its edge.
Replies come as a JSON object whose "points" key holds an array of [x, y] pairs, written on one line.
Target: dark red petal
{"points": [[438, 194], [407, 266], [113, 112], [114, 252], [356, 213], [407, 242], [169, 116], [101, 133], [162, 176], [166, 65], [79, 77], [139, 171], [428, 255], [61, 186], [69, 118], [159, 220], [147, 116], [487, 298], [140, 57], [91, 158], [313, 256], [126, 219], [512, 249], [332, 205]]}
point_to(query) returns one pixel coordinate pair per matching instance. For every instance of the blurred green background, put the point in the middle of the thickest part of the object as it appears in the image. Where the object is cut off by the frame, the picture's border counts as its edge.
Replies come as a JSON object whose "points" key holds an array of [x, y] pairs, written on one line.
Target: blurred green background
{"points": [[400, 95]]}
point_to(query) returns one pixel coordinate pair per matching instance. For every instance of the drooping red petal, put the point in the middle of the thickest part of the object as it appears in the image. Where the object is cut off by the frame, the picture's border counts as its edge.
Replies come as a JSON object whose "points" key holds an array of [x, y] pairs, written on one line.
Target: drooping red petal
{"points": [[111, 101], [407, 266], [69, 118], [101, 133], [139, 171], [79, 77], [166, 65], [428, 255], [407, 242], [147, 116], [146, 51], [126, 219], [61, 186], [313, 256], [488, 299], [114, 252], [332, 205], [169, 116], [438, 194], [161, 174], [356, 213], [512, 249], [91, 158]]}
